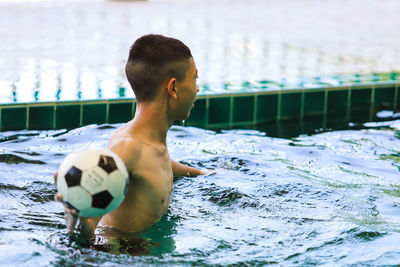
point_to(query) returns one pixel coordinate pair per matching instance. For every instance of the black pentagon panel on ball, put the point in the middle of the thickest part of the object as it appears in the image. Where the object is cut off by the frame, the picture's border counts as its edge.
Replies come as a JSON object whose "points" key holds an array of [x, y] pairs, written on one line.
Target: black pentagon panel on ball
{"points": [[101, 200], [107, 163], [73, 177]]}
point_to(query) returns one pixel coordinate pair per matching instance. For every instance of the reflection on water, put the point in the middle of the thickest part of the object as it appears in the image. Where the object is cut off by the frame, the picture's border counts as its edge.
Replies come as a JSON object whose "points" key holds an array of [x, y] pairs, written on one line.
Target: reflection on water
{"points": [[68, 50], [324, 198]]}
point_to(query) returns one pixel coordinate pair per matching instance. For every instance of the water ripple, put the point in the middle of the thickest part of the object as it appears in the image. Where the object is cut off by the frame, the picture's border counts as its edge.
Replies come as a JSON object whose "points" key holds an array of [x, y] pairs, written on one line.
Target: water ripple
{"points": [[15, 159]]}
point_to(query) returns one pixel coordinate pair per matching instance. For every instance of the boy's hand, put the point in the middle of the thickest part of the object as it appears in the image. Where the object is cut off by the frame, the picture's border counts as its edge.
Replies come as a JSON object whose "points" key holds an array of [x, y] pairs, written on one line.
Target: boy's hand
{"points": [[71, 215], [180, 169], [208, 172], [86, 225]]}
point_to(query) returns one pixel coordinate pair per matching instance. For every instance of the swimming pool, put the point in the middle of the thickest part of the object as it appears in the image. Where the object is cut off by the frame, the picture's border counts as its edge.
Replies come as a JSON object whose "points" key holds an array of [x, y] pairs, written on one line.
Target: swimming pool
{"points": [[325, 198], [282, 197]]}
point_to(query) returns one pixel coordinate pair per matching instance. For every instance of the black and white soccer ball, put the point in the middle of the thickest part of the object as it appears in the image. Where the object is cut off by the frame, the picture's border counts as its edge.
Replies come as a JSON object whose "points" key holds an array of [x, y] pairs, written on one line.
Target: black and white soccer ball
{"points": [[93, 181]]}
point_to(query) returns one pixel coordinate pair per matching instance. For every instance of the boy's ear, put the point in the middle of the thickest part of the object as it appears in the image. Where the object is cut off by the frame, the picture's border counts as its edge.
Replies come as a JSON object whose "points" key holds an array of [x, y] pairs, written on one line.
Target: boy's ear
{"points": [[171, 88]]}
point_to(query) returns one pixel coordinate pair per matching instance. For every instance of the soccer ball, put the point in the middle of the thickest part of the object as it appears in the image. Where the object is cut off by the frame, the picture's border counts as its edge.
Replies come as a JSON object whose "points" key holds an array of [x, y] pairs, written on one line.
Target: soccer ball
{"points": [[93, 181]]}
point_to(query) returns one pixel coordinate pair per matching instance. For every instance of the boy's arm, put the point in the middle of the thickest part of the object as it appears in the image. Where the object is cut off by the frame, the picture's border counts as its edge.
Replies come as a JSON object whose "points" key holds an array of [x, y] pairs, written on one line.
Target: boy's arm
{"points": [[180, 169], [86, 226]]}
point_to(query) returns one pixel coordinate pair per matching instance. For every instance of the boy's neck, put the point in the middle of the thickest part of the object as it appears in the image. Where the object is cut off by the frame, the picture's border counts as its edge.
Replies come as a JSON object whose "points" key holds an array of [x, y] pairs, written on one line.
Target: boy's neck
{"points": [[150, 123]]}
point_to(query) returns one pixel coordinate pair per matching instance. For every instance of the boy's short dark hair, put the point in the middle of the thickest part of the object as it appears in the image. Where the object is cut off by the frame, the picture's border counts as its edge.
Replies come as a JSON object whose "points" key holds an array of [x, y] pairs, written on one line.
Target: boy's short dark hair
{"points": [[152, 59]]}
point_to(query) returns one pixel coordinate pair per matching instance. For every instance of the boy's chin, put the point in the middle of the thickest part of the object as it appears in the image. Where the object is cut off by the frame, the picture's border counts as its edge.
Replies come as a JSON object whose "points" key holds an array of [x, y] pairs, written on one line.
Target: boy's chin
{"points": [[185, 116]]}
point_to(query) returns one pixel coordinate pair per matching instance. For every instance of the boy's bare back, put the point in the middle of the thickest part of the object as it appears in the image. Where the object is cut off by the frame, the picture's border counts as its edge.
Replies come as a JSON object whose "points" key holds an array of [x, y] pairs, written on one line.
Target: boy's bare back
{"points": [[151, 179]]}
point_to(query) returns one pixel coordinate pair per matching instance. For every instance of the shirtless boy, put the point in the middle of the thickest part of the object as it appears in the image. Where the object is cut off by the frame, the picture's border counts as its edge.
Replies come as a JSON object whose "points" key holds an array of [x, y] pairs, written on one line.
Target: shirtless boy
{"points": [[162, 74]]}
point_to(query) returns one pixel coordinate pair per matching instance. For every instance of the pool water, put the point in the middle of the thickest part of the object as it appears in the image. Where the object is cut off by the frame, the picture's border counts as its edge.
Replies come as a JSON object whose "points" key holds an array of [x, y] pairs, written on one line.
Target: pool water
{"points": [[324, 198]]}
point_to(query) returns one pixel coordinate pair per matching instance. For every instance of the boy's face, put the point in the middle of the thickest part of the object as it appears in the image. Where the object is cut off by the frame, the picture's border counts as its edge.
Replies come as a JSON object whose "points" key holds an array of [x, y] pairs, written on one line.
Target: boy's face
{"points": [[187, 91]]}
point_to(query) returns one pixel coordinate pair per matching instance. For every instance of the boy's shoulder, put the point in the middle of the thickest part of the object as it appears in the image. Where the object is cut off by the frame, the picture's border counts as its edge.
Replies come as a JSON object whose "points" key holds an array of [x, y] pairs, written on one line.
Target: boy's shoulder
{"points": [[126, 146]]}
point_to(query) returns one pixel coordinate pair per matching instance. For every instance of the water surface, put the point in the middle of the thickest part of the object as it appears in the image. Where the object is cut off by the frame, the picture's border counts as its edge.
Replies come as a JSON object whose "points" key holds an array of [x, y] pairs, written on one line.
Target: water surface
{"points": [[322, 198]]}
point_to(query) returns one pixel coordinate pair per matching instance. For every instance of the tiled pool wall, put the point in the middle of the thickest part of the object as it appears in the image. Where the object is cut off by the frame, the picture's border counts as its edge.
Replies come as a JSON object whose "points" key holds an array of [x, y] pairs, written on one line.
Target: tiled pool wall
{"points": [[217, 111]]}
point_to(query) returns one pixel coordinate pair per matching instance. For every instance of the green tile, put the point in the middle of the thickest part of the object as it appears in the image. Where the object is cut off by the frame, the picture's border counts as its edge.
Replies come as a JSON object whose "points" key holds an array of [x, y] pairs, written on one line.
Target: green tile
{"points": [[360, 115], [360, 105], [267, 106], [313, 103], [41, 117], [197, 114], [384, 97], [289, 128], [13, 118], [331, 116], [398, 98], [243, 108], [68, 116], [360, 98], [337, 121], [219, 110], [120, 112], [290, 105], [269, 127], [313, 122], [337, 101], [94, 114]]}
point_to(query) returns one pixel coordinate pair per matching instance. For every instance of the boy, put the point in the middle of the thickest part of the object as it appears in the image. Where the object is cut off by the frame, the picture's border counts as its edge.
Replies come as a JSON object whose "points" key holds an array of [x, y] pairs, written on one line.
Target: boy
{"points": [[162, 74]]}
